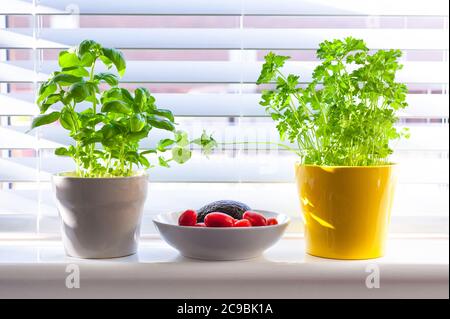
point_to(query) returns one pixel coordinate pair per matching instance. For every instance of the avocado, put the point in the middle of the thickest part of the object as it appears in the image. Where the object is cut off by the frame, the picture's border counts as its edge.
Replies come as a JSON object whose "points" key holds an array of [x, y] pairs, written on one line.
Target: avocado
{"points": [[231, 207]]}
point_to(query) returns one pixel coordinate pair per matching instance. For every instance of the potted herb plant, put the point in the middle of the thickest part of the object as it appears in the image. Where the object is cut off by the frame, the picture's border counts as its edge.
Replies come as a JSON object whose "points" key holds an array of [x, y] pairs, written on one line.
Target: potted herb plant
{"points": [[101, 202], [341, 123]]}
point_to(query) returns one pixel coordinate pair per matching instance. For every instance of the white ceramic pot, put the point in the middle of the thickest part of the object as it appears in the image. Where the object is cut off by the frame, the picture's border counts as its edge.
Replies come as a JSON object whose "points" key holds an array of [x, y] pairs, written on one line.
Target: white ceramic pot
{"points": [[100, 216]]}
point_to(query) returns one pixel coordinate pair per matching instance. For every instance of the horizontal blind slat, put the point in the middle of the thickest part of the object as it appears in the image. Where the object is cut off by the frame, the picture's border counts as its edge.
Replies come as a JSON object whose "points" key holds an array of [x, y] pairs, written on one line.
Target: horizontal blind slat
{"points": [[198, 38], [423, 137], [259, 168], [215, 72], [226, 105], [229, 7]]}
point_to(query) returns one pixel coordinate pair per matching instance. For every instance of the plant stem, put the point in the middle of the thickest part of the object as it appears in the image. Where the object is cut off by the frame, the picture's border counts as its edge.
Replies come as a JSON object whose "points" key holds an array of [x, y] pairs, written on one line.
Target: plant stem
{"points": [[94, 108], [91, 77], [261, 143], [305, 109]]}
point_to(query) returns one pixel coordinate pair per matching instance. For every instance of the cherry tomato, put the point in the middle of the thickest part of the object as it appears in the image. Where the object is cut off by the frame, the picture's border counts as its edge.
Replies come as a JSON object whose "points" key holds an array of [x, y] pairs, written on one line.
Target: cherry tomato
{"points": [[243, 223], [272, 221], [200, 225], [256, 219], [188, 218], [218, 220]]}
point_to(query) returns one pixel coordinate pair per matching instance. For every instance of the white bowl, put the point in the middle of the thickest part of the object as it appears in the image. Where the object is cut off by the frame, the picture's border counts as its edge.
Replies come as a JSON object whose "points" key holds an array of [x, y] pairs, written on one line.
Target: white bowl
{"points": [[220, 243]]}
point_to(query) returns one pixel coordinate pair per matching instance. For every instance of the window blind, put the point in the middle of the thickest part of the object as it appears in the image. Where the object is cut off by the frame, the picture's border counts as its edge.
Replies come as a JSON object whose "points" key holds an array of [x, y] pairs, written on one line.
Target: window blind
{"points": [[201, 60]]}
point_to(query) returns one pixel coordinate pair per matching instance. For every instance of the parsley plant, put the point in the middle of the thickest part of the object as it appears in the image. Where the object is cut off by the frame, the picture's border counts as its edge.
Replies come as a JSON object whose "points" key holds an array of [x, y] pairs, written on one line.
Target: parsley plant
{"points": [[346, 115]]}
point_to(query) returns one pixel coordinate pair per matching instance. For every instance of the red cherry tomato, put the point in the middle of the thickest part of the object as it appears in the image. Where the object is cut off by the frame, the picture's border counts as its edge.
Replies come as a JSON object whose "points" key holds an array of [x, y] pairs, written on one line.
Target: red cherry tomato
{"points": [[188, 218], [243, 223], [256, 219], [200, 225], [272, 221], [218, 220]]}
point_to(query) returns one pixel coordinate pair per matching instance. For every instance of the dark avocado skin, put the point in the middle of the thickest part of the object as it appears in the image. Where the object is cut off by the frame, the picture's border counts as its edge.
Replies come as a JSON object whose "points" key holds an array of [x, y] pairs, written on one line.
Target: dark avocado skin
{"points": [[231, 207]]}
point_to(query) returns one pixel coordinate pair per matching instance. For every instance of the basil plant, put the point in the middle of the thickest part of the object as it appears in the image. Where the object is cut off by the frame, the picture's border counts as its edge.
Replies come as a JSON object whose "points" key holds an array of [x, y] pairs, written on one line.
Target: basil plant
{"points": [[108, 124]]}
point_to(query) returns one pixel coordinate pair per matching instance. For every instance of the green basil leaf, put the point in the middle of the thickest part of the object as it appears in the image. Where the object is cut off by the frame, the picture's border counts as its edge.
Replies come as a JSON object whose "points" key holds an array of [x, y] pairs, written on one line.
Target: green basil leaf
{"points": [[181, 138], [116, 93], [106, 61], [44, 119], [68, 118], [49, 101], [207, 143], [133, 157], [137, 136], [149, 151], [79, 91], [62, 151], [83, 133], [164, 143], [87, 59], [164, 113], [68, 59], [163, 162], [111, 94], [87, 46], [126, 96], [116, 58], [92, 120], [109, 78], [75, 70], [116, 106], [110, 131], [137, 122], [64, 79], [144, 161], [181, 154], [140, 98], [45, 90], [160, 123], [91, 138]]}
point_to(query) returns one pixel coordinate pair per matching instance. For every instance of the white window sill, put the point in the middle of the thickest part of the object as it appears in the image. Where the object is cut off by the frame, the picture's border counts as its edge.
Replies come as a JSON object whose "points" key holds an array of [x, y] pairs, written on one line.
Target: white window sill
{"points": [[414, 267]]}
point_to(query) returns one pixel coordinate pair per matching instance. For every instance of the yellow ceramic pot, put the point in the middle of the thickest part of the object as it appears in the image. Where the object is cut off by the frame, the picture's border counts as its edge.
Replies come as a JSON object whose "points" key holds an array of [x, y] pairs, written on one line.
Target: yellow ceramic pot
{"points": [[346, 209]]}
